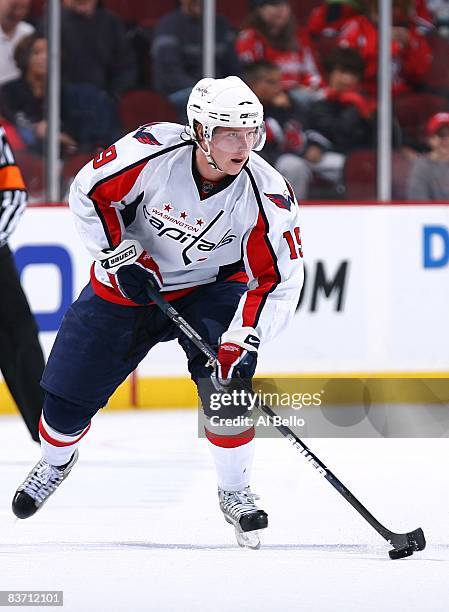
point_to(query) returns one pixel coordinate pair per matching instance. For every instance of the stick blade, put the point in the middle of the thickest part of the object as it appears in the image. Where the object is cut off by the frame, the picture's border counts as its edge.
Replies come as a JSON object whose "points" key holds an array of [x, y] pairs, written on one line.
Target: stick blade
{"points": [[400, 553], [405, 544], [416, 539]]}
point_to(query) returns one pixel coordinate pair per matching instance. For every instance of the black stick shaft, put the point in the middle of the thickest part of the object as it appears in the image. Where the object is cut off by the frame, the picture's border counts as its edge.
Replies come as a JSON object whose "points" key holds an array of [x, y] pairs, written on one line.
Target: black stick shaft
{"points": [[283, 429]]}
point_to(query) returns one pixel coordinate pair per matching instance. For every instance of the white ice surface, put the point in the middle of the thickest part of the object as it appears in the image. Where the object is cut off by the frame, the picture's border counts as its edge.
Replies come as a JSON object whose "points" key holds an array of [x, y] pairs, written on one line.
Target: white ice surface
{"points": [[136, 526]]}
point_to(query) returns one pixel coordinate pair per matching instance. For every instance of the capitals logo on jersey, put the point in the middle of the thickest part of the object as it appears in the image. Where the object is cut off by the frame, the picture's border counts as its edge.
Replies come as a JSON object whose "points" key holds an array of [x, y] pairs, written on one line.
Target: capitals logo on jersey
{"points": [[179, 230], [146, 137], [283, 200]]}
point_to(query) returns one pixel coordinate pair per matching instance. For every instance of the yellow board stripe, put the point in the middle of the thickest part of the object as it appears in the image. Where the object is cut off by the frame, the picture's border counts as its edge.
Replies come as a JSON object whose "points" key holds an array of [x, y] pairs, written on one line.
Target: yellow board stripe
{"points": [[166, 393], [119, 401]]}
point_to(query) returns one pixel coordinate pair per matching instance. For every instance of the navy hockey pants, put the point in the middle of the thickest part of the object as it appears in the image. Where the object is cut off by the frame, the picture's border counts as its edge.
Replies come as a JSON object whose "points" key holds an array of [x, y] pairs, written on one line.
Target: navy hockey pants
{"points": [[100, 343]]}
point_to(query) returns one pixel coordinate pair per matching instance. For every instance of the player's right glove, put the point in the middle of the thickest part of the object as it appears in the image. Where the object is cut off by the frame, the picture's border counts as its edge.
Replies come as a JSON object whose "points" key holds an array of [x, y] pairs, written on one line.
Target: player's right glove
{"points": [[133, 269], [236, 357]]}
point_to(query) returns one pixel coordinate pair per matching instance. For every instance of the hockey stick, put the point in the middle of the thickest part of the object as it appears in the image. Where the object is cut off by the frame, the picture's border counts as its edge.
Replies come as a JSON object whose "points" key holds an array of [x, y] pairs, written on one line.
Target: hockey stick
{"points": [[404, 544]]}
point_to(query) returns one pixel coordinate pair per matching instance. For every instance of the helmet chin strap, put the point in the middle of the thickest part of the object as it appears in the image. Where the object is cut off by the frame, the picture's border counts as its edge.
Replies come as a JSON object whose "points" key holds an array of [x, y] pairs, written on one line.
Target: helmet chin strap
{"points": [[210, 159]]}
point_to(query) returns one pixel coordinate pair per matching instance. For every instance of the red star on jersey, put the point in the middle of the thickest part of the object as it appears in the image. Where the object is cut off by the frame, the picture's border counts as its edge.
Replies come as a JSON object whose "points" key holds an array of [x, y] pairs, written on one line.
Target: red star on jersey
{"points": [[183, 215], [168, 207], [199, 222]]}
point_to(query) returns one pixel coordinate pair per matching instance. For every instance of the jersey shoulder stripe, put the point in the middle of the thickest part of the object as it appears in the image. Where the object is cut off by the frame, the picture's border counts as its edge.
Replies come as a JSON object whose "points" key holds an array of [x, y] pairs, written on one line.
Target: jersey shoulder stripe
{"points": [[263, 263]]}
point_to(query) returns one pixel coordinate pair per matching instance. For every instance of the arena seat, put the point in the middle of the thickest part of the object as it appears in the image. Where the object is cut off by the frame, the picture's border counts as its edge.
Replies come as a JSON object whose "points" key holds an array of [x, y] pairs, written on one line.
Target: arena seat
{"points": [[142, 106], [302, 10], [360, 175], [402, 165], [438, 75], [37, 8], [137, 12], [130, 11], [74, 163], [71, 166], [414, 110], [235, 12], [33, 170]]}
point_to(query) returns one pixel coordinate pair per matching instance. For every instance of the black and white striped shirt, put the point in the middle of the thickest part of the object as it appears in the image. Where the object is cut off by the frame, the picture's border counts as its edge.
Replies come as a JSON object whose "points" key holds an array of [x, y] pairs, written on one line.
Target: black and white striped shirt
{"points": [[13, 194]]}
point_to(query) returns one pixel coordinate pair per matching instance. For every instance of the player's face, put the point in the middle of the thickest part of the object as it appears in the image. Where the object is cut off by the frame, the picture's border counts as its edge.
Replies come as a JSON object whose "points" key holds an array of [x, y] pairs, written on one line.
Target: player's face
{"points": [[230, 147]]}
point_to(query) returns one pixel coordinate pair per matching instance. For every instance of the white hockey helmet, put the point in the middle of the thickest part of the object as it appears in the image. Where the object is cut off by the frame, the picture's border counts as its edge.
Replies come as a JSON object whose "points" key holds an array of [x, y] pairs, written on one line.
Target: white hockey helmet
{"points": [[225, 102]]}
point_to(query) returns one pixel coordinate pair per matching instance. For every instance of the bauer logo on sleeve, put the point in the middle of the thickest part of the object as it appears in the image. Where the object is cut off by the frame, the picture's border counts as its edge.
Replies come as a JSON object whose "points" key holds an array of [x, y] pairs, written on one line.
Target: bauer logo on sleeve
{"points": [[120, 258]]}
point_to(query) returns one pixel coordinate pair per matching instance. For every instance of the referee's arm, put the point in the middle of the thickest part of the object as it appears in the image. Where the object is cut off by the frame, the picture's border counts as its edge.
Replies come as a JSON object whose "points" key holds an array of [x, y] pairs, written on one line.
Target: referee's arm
{"points": [[13, 194]]}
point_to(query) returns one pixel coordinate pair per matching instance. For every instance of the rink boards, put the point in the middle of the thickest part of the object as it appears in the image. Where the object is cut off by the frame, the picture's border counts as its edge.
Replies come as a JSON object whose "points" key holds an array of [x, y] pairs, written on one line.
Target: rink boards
{"points": [[375, 298]]}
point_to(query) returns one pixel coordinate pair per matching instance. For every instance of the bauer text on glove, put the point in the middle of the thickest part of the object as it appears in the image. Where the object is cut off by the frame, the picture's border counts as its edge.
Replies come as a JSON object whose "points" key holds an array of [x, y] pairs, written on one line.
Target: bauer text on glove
{"points": [[132, 269]]}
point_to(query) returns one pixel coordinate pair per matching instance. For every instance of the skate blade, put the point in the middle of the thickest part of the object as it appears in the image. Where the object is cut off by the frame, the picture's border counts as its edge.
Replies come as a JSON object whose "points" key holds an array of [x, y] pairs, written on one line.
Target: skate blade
{"points": [[247, 539]]}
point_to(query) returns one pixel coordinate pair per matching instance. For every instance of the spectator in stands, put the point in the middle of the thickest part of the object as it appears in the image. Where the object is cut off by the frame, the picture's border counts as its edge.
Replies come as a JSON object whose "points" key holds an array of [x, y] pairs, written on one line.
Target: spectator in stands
{"points": [[95, 49], [423, 14], [411, 53], [87, 115], [271, 34], [12, 30], [429, 177], [328, 19], [300, 155], [345, 116], [177, 52]]}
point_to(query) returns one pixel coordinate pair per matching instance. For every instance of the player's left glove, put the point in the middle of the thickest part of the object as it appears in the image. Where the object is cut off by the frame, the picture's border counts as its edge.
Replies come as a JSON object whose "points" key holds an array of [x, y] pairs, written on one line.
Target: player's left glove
{"points": [[133, 270], [237, 356]]}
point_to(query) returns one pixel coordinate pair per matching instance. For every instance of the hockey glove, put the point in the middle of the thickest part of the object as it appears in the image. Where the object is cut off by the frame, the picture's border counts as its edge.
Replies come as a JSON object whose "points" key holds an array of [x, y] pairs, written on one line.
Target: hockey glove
{"points": [[236, 357], [133, 269]]}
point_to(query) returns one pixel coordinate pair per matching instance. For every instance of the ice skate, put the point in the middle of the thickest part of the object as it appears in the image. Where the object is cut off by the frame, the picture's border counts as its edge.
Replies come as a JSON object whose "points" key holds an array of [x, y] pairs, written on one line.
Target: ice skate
{"points": [[240, 510], [41, 482]]}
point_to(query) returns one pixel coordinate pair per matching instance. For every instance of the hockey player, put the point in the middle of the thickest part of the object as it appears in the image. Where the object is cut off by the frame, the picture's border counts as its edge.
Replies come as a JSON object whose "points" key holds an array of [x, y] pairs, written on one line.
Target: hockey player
{"points": [[197, 214]]}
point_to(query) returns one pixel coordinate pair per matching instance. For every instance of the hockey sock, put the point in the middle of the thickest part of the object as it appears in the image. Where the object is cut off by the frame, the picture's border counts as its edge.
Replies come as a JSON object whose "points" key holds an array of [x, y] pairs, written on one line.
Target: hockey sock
{"points": [[233, 465], [57, 448]]}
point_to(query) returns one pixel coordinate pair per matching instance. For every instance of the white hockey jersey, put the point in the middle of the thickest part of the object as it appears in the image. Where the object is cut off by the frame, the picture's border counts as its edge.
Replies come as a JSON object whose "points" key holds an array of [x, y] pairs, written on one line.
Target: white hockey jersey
{"points": [[146, 187]]}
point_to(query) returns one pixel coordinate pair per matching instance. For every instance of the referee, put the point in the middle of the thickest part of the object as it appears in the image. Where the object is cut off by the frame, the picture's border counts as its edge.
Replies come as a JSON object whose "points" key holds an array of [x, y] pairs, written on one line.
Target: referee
{"points": [[21, 358]]}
